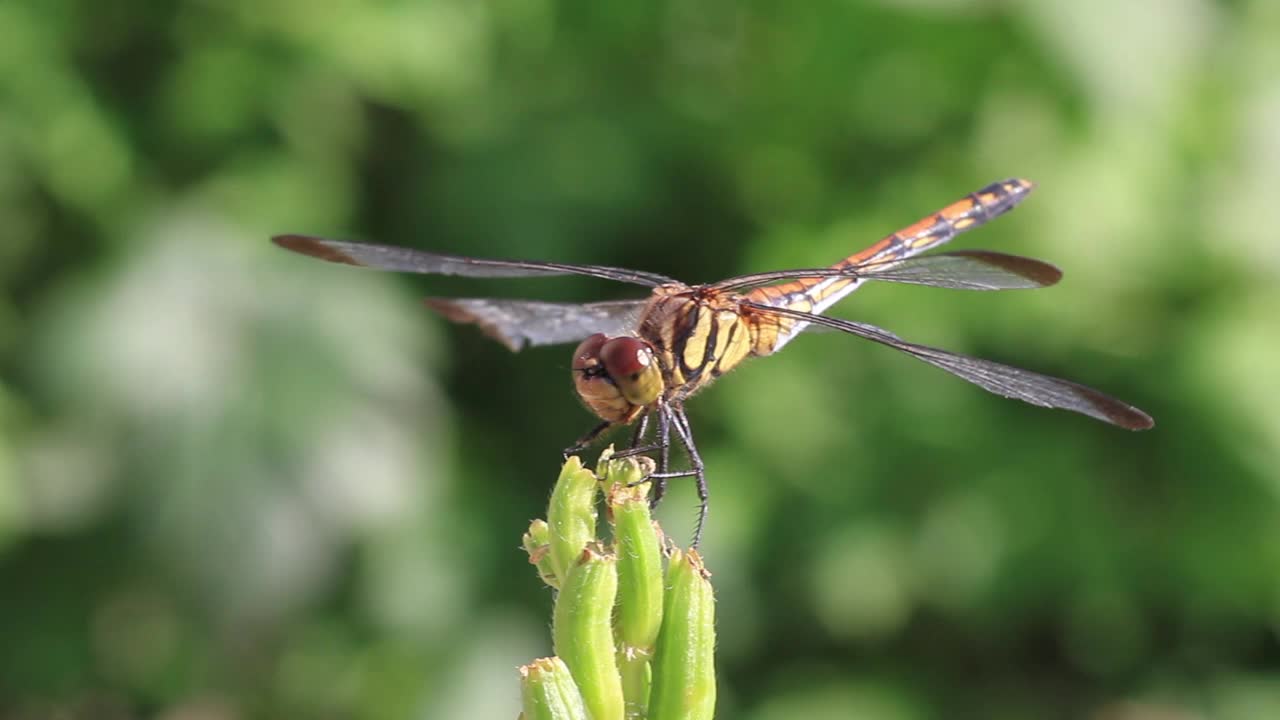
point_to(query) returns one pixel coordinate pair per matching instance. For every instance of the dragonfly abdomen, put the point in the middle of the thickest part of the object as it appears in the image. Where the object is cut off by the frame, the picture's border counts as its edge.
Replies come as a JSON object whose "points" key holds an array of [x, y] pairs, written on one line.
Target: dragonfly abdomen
{"points": [[817, 294], [929, 232]]}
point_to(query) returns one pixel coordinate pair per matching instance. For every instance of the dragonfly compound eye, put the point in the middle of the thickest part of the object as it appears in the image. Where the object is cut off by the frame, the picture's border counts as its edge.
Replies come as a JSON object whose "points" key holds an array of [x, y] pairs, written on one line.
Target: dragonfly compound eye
{"points": [[586, 359], [600, 390], [630, 363]]}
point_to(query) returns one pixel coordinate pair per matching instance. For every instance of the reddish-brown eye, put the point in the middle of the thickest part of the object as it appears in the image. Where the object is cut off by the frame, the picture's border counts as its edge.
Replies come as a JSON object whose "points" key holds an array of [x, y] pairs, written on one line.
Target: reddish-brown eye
{"points": [[630, 364], [625, 357], [587, 356]]}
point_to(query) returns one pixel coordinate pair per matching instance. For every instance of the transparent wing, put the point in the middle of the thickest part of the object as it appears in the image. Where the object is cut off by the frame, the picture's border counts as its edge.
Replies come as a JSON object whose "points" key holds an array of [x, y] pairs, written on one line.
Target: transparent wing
{"points": [[515, 323], [959, 270], [399, 259], [1003, 380]]}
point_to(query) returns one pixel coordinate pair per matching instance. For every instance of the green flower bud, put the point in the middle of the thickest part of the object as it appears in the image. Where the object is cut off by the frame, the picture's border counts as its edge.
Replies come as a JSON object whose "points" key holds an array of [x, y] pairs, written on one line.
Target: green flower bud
{"points": [[537, 542], [640, 591], [583, 633], [571, 515], [684, 678], [548, 692]]}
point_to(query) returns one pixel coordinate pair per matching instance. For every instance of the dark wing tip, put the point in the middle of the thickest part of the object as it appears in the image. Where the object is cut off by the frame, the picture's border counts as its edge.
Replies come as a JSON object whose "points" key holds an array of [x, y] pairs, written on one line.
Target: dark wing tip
{"points": [[458, 313], [1117, 412], [1135, 419], [316, 248], [1039, 272]]}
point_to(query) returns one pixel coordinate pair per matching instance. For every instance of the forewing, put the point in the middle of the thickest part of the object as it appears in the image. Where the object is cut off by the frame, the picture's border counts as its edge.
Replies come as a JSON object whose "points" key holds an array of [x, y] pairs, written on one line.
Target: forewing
{"points": [[969, 270], [994, 377], [399, 259], [959, 270], [515, 323]]}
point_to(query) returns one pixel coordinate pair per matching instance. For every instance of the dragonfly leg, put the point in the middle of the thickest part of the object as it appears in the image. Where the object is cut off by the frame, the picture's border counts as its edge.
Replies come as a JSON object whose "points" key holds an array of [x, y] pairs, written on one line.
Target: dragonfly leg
{"points": [[641, 428], [664, 438], [686, 437], [637, 437], [676, 417], [664, 458], [585, 441], [659, 477]]}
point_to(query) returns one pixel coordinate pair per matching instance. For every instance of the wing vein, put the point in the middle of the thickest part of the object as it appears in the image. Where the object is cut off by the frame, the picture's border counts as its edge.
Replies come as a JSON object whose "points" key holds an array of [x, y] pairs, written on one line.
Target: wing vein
{"points": [[1003, 380]]}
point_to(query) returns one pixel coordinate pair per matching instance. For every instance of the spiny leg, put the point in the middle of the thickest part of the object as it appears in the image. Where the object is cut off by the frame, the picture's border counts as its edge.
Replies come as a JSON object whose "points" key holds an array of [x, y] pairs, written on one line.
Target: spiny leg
{"points": [[585, 441], [686, 436], [658, 478], [664, 459], [637, 438], [641, 428], [674, 416]]}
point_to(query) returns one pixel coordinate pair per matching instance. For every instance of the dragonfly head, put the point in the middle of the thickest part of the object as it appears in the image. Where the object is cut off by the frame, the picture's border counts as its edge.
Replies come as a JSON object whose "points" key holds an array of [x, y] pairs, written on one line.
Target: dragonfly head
{"points": [[616, 377]]}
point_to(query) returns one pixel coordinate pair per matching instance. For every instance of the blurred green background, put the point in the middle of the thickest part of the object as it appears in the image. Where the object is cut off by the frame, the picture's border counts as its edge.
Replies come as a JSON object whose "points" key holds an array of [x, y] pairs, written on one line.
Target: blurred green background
{"points": [[238, 483]]}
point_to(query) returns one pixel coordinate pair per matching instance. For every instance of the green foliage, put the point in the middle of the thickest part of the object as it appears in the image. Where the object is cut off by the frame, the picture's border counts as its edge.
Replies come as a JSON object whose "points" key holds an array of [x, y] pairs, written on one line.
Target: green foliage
{"points": [[234, 483]]}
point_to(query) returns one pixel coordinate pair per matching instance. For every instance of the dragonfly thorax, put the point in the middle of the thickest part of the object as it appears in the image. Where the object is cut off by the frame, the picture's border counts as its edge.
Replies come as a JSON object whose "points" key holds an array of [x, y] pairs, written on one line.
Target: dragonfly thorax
{"points": [[616, 377]]}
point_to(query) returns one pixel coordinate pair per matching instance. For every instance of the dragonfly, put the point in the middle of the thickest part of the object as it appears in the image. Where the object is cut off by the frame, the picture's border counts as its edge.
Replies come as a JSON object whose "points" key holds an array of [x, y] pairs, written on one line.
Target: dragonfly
{"points": [[638, 361]]}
